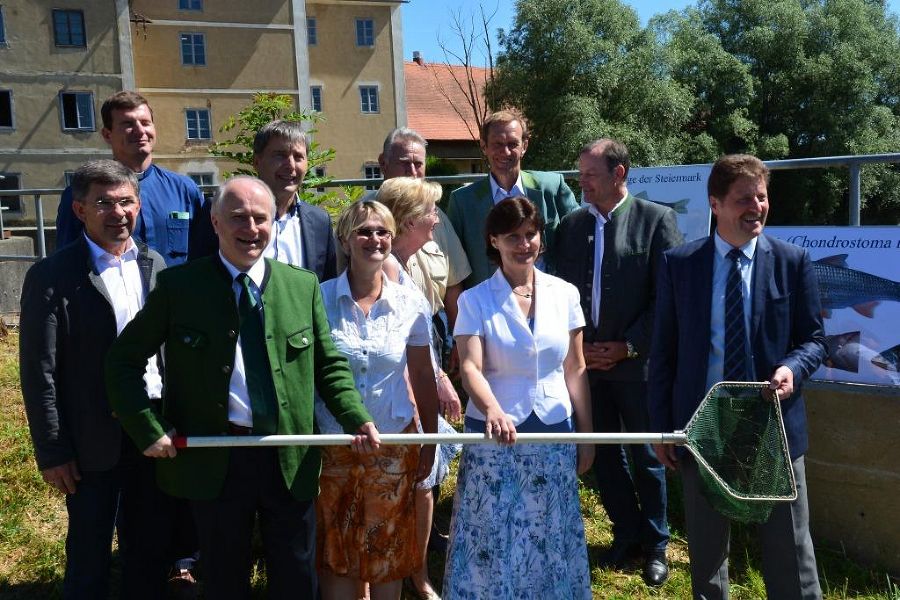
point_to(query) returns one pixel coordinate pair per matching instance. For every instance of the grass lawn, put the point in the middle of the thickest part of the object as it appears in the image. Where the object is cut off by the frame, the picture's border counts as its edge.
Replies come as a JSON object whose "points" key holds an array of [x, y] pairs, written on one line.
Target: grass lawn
{"points": [[32, 530]]}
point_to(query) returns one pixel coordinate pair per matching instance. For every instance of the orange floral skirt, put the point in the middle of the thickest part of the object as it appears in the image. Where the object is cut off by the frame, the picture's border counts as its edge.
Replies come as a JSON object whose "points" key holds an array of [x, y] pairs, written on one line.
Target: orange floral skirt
{"points": [[365, 513]]}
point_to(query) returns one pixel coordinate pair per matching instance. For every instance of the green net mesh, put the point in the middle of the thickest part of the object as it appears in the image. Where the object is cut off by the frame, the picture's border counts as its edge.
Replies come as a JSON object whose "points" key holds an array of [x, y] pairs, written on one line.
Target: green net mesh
{"points": [[738, 439]]}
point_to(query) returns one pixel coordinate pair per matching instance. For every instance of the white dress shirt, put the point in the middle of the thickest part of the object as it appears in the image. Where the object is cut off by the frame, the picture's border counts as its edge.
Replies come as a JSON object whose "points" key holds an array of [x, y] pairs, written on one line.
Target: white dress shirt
{"points": [[240, 411], [524, 369], [122, 278], [376, 345], [721, 268], [498, 193], [286, 241], [599, 247]]}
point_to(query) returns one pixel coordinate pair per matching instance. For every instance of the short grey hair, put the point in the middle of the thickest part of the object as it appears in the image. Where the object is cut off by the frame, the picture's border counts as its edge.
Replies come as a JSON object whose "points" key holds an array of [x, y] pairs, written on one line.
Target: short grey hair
{"points": [[614, 152], [289, 130], [225, 188], [401, 134], [103, 172]]}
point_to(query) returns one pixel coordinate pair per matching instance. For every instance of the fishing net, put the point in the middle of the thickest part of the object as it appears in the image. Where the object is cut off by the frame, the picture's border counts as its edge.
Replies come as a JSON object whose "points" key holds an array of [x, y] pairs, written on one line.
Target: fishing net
{"points": [[738, 438]]}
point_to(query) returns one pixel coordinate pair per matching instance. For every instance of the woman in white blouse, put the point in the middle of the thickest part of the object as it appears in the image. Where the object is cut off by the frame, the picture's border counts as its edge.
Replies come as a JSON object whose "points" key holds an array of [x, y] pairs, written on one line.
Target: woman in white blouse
{"points": [[517, 529], [365, 517]]}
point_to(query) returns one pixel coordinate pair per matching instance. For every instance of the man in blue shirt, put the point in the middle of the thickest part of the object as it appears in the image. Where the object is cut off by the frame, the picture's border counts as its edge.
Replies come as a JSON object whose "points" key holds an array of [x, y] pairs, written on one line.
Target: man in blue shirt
{"points": [[172, 220]]}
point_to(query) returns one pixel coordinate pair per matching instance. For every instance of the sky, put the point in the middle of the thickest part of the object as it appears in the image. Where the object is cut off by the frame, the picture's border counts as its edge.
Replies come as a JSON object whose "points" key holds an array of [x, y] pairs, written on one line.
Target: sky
{"points": [[426, 22]]}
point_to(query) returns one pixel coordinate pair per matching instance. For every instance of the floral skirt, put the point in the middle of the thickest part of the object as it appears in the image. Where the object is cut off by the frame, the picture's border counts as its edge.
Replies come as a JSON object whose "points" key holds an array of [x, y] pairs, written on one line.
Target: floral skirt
{"points": [[517, 530], [365, 513]]}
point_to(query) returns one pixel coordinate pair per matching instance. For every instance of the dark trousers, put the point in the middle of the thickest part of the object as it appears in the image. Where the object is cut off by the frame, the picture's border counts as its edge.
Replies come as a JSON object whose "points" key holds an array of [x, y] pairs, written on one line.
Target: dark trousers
{"points": [[636, 504], [124, 498], [254, 486], [788, 558]]}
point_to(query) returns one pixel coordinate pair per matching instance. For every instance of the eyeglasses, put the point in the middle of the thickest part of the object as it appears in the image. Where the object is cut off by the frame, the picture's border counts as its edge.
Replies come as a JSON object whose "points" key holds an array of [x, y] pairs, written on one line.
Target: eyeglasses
{"points": [[104, 206], [365, 232]]}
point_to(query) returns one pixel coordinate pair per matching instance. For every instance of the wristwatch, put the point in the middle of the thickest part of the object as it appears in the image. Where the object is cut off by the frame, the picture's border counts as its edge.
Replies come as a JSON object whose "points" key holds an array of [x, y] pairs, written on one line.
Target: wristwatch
{"points": [[630, 352]]}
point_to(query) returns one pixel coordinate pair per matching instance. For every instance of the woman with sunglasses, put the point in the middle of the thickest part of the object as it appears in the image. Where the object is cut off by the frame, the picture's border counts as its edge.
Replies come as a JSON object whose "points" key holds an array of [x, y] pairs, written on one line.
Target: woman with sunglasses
{"points": [[365, 510], [516, 530]]}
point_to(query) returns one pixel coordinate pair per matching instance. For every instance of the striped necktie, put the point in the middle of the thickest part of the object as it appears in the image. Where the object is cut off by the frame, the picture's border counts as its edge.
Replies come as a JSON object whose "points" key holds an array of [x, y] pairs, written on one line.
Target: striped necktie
{"points": [[735, 330]]}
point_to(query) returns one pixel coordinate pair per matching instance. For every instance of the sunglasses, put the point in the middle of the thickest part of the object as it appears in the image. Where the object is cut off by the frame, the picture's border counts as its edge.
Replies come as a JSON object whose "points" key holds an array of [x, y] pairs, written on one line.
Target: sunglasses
{"points": [[365, 232]]}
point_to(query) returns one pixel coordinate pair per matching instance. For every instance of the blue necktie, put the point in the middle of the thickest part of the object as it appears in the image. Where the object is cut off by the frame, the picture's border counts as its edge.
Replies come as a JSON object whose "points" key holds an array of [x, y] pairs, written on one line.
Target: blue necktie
{"points": [[735, 331], [260, 386]]}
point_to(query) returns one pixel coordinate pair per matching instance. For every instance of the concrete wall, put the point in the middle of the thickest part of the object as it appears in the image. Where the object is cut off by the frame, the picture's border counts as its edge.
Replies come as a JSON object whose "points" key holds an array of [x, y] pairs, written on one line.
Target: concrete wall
{"points": [[853, 470], [12, 273]]}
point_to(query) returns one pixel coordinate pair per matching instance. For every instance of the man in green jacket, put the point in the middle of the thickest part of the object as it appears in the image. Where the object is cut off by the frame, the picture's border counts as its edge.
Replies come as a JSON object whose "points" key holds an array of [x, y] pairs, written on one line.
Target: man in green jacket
{"points": [[504, 140], [246, 343]]}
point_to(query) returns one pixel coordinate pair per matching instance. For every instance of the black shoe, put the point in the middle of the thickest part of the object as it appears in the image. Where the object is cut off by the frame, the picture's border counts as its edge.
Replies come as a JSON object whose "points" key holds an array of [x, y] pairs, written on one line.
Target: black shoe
{"points": [[656, 569], [618, 555]]}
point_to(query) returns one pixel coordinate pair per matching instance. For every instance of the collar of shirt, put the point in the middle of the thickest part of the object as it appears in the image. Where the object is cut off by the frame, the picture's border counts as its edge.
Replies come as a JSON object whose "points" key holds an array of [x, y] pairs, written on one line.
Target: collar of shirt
{"points": [[498, 193], [102, 259], [600, 217], [257, 272], [723, 247], [388, 295], [293, 211]]}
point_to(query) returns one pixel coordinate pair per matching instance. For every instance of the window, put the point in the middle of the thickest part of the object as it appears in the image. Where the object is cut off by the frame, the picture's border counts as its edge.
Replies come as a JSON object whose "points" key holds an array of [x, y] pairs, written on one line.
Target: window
{"points": [[6, 110], [2, 29], [190, 4], [315, 94], [368, 98], [193, 49], [373, 171], [10, 181], [319, 172], [77, 110], [69, 175], [312, 34], [197, 123], [68, 28], [365, 32], [202, 179]]}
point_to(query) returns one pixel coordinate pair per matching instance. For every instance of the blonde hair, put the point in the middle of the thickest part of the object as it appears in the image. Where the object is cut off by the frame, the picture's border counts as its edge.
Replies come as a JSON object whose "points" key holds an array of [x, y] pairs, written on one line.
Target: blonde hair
{"points": [[357, 213], [408, 198]]}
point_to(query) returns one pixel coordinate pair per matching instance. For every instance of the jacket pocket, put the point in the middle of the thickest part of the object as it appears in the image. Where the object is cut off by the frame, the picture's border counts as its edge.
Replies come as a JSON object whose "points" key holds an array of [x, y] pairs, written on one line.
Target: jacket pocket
{"points": [[300, 340], [187, 337]]}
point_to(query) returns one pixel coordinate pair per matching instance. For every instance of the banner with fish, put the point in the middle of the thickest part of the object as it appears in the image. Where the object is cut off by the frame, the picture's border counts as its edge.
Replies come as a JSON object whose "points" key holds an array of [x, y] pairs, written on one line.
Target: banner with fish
{"points": [[858, 271]]}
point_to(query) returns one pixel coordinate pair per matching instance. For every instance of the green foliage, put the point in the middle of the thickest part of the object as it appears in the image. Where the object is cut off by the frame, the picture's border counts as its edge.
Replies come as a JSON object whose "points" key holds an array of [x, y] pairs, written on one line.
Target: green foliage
{"points": [[776, 78], [268, 107]]}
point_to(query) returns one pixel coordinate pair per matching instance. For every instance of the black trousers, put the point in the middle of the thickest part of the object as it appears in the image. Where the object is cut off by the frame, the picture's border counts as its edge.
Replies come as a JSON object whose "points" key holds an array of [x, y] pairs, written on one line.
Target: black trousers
{"points": [[254, 486]]}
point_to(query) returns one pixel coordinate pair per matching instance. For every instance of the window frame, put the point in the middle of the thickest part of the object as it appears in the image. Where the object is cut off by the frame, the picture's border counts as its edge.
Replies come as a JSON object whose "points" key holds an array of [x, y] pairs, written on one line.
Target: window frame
{"points": [[312, 31], [187, 124], [365, 32], [365, 103], [189, 3], [68, 12], [3, 42], [13, 203], [372, 170], [194, 36], [312, 97], [12, 111], [319, 172], [62, 110]]}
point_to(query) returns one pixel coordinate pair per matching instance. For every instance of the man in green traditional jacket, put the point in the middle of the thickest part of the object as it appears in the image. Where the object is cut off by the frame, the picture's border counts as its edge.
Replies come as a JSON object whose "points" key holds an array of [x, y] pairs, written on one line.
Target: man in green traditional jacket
{"points": [[246, 342], [504, 140]]}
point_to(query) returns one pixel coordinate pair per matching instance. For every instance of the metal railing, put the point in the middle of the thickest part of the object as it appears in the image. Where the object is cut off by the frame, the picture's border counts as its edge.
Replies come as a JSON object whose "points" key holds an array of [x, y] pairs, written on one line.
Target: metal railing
{"points": [[852, 162]]}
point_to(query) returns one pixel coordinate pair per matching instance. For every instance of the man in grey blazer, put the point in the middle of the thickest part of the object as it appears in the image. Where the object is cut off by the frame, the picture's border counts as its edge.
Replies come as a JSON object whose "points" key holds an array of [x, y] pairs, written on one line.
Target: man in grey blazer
{"points": [[301, 234], [74, 304], [610, 251], [504, 140]]}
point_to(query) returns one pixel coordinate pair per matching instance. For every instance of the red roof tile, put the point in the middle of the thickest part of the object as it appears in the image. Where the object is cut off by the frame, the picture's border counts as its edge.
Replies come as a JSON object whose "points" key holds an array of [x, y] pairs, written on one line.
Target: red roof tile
{"points": [[428, 109]]}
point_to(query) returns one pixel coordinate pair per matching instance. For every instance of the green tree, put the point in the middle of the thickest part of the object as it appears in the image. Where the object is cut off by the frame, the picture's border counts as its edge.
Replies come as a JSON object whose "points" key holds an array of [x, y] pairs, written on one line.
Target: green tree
{"points": [[582, 69], [796, 79], [267, 107]]}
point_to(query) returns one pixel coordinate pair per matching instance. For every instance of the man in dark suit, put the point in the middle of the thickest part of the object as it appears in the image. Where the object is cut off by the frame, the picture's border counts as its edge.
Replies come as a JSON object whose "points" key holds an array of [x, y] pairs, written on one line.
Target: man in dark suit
{"points": [[246, 343], [301, 235], [738, 306], [504, 140], [74, 303], [610, 251]]}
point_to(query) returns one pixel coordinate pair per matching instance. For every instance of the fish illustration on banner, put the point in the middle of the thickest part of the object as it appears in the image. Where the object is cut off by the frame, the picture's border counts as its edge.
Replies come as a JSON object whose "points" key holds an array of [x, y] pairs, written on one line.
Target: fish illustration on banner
{"points": [[889, 359], [843, 351], [843, 287], [679, 206]]}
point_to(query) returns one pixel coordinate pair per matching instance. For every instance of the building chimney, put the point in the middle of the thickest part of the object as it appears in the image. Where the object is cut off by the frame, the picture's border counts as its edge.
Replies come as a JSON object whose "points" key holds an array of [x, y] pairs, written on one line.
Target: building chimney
{"points": [[417, 58]]}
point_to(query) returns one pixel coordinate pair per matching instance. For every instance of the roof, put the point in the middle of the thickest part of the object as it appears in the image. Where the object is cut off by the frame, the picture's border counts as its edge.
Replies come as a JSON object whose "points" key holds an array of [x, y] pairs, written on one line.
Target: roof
{"points": [[428, 110]]}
